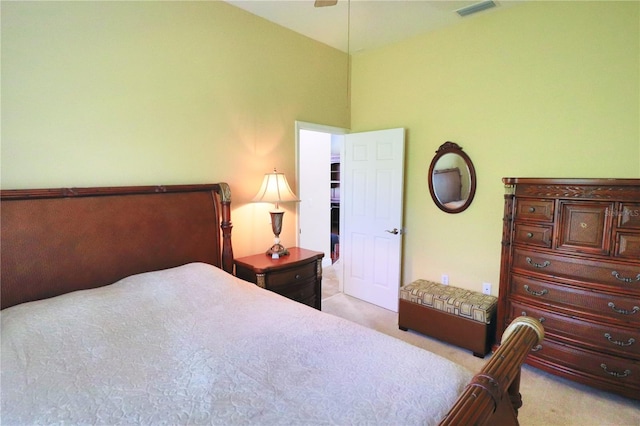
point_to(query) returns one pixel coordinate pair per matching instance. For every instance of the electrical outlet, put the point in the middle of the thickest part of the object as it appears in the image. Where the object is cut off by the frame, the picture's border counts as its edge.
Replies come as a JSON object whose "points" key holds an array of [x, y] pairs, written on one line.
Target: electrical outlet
{"points": [[486, 288], [445, 279]]}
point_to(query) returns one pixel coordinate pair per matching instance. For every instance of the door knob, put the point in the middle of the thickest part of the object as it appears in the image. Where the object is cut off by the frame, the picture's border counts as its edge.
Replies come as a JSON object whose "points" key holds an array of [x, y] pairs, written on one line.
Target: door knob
{"points": [[394, 231]]}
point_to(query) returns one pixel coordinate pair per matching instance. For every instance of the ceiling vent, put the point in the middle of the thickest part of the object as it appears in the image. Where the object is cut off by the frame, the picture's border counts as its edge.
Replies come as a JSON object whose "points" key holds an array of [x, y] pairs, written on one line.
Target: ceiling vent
{"points": [[475, 8]]}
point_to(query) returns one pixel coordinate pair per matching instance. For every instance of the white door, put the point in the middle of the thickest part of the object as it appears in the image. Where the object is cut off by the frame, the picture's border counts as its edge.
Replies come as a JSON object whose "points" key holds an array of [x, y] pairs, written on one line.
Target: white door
{"points": [[373, 180]]}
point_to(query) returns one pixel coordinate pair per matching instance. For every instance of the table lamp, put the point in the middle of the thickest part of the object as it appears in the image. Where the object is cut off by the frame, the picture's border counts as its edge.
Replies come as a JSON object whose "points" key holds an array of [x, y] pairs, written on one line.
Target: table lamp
{"points": [[275, 189]]}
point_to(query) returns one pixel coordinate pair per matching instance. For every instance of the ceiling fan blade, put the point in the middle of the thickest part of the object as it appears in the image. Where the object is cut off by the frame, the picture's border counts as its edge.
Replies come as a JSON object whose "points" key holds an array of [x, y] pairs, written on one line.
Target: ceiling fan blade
{"points": [[323, 3]]}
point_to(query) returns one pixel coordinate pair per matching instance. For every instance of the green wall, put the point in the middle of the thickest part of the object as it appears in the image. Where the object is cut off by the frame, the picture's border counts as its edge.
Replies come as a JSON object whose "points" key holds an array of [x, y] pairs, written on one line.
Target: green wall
{"points": [[144, 93], [548, 89], [126, 93]]}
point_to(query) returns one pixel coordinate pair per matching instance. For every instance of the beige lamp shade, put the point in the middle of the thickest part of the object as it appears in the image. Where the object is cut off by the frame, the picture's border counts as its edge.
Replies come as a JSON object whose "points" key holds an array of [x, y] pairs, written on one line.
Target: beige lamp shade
{"points": [[275, 189]]}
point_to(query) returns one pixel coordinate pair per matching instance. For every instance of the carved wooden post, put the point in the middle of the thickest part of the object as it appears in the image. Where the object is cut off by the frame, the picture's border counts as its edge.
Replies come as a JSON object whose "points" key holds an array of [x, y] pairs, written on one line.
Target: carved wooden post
{"points": [[226, 226], [495, 390]]}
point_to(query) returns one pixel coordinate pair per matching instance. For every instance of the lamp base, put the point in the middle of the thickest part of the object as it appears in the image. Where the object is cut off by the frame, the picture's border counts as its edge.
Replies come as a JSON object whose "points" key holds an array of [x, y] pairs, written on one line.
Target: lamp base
{"points": [[277, 250]]}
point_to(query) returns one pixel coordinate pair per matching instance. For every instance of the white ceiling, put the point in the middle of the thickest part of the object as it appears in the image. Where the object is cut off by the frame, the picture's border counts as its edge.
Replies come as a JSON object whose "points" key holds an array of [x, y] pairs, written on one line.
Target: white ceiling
{"points": [[372, 23]]}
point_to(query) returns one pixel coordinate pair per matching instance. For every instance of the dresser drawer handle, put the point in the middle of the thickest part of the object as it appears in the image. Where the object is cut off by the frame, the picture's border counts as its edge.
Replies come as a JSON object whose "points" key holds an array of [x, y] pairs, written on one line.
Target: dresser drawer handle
{"points": [[524, 314], [535, 293], [614, 374], [536, 348], [529, 234], [297, 276], [537, 265], [532, 209], [634, 311], [623, 279], [630, 342]]}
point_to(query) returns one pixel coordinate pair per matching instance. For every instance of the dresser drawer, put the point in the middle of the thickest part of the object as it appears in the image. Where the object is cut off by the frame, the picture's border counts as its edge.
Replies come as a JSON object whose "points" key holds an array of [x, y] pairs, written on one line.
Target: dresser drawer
{"points": [[277, 279], [613, 339], [629, 216], [585, 227], [537, 235], [571, 299], [627, 245], [535, 210], [621, 374], [598, 274]]}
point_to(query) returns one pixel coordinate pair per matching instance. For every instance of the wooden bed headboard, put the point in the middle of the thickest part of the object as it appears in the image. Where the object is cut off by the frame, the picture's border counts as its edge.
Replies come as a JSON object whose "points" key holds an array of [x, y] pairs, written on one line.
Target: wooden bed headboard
{"points": [[55, 241]]}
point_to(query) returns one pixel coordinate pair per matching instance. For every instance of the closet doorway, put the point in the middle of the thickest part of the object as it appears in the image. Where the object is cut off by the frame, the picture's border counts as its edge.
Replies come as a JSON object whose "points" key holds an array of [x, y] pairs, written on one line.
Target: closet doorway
{"points": [[319, 149]]}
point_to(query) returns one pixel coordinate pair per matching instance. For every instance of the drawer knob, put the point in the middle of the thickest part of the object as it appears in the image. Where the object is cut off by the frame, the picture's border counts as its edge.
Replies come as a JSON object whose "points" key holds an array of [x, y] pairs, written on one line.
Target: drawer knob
{"points": [[532, 209], [536, 348], [623, 311], [630, 342], [615, 374], [537, 265], [624, 279], [535, 293], [529, 234], [297, 276]]}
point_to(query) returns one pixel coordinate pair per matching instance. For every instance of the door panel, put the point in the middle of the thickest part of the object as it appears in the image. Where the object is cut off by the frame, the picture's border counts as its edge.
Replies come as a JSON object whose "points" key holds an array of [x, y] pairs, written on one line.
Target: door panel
{"points": [[382, 250]]}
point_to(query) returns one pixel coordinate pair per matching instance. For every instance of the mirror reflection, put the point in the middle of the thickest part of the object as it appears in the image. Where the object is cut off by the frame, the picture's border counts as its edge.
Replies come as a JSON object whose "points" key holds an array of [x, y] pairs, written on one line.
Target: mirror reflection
{"points": [[451, 178]]}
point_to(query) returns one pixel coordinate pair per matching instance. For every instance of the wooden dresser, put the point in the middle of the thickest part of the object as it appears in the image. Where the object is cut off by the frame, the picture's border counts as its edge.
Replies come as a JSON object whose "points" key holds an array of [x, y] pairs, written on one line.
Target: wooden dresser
{"points": [[571, 258]]}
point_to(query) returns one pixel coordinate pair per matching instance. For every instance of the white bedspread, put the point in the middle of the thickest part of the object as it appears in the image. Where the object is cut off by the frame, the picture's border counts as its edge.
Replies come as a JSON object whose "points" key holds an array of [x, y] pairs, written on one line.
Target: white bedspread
{"points": [[194, 345]]}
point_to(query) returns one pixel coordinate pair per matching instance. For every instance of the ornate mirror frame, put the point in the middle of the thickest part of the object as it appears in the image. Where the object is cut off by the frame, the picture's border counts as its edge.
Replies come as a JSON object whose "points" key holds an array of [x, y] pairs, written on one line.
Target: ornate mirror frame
{"points": [[452, 183]]}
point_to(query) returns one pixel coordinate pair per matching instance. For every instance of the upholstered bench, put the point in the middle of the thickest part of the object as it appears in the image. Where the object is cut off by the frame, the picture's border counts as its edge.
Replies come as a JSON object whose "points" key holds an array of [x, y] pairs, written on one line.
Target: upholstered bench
{"points": [[461, 317]]}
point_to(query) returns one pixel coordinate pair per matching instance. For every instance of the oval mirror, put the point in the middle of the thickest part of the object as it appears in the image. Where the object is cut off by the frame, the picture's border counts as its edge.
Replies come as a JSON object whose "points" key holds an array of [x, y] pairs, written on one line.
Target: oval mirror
{"points": [[452, 178]]}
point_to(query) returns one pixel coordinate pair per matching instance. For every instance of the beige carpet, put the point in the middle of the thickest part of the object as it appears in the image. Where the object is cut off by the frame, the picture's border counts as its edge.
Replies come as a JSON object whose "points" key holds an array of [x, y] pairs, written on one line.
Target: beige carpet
{"points": [[548, 400]]}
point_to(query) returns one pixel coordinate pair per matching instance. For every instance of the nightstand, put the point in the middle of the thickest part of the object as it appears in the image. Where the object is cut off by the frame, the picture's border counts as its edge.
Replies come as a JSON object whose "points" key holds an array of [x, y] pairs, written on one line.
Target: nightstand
{"points": [[297, 276]]}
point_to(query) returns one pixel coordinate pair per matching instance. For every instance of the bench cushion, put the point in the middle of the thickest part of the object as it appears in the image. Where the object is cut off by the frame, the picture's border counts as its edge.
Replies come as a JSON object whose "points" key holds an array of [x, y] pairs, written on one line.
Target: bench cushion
{"points": [[464, 303]]}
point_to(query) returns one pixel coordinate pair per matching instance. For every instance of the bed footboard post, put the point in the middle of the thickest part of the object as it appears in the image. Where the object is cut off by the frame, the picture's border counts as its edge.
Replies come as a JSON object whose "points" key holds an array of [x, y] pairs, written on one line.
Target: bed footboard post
{"points": [[226, 226], [514, 392], [493, 396]]}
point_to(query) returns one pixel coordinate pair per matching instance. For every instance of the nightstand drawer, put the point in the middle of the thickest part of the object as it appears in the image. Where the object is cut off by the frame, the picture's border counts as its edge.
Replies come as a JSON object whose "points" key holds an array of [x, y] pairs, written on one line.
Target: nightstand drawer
{"points": [[300, 291], [278, 279]]}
